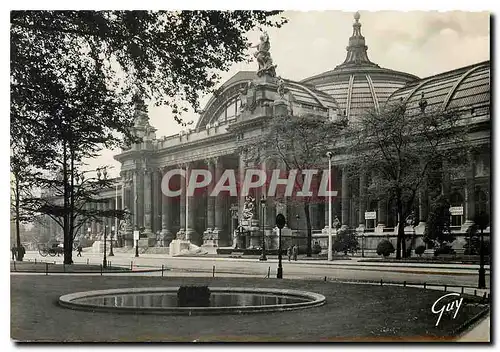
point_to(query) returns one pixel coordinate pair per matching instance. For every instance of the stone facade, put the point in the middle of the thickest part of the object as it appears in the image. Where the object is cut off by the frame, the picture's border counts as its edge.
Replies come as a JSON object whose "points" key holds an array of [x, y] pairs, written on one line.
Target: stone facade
{"points": [[234, 117]]}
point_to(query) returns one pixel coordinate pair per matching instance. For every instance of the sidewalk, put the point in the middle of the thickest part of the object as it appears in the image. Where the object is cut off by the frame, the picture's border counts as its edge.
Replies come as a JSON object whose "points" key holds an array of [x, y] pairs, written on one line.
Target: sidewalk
{"points": [[479, 332], [353, 262]]}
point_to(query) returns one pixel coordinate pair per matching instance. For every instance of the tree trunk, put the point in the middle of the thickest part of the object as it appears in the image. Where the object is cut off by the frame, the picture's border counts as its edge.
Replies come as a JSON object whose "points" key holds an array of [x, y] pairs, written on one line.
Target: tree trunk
{"points": [[401, 229], [67, 249], [19, 252], [309, 230]]}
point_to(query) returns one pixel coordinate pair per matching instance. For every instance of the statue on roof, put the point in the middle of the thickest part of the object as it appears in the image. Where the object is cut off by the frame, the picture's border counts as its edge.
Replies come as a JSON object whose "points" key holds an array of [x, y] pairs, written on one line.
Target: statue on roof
{"points": [[263, 57], [281, 88]]}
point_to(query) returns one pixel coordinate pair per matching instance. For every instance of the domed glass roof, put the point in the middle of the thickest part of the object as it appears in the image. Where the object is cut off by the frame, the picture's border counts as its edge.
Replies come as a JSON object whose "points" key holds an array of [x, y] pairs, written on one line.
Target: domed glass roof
{"points": [[359, 84]]}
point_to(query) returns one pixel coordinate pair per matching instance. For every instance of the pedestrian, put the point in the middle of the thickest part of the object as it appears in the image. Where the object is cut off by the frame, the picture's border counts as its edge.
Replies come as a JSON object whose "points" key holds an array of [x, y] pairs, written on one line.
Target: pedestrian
{"points": [[13, 250], [79, 249], [289, 252], [295, 252]]}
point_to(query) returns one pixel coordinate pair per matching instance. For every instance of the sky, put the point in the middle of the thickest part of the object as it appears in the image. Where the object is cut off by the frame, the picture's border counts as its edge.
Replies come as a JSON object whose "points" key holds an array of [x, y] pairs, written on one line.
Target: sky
{"points": [[422, 43]]}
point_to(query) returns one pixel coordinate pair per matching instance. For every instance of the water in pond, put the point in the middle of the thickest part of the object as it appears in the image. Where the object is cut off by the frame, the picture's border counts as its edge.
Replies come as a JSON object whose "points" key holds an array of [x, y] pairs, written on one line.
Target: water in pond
{"points": [[169, 299]]}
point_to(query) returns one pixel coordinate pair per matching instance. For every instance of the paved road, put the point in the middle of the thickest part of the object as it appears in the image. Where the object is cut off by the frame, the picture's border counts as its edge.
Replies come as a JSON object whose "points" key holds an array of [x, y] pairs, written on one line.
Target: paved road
{"points": [[465, 275]]}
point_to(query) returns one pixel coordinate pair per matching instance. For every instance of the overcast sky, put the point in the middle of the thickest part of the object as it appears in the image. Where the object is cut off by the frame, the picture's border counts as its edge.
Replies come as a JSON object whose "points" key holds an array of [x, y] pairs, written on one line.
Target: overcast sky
{"points": [[417, 42]]}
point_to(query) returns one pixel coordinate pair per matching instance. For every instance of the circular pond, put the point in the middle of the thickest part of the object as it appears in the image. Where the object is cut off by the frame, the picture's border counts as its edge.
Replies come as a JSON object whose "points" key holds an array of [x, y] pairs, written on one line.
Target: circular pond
{"points": [[163, 300]]}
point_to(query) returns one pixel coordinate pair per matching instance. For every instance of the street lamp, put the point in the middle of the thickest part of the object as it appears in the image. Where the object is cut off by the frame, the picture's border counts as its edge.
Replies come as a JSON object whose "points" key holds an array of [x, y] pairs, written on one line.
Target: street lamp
{"points": [[104, 261], [280, 223], [263, 211], [330, 254], [481, 221]]}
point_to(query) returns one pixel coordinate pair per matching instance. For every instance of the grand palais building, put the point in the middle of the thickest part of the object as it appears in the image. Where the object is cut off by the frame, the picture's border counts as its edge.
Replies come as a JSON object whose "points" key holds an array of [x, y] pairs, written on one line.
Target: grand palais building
{"points": [[232, 118]]}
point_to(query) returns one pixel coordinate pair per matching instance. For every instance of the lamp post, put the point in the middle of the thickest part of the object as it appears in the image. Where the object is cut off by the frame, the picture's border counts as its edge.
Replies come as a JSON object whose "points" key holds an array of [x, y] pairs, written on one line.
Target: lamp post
{"points": [[481, 221], [104, 261], [280, 223], [263, 211], [330, 253]]}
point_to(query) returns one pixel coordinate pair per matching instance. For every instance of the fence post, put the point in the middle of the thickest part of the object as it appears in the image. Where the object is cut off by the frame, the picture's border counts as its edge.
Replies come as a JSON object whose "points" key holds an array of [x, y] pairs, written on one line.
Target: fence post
{"points": [[46, 268], [268, 272], [162, 270], [35, 260], [100, 266], [213, 271]]}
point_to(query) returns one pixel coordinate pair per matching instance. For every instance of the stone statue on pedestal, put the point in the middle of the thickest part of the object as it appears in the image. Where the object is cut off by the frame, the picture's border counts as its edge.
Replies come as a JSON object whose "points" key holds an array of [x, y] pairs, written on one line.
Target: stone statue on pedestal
{"points": [[263, 57], [248, 208]]}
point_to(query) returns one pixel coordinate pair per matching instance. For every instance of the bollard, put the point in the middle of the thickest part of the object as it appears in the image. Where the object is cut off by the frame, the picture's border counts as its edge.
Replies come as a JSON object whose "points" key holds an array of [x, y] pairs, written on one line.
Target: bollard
{"points": [[162, 270], [475, 292], [425, 285], [268, 272], [213, 271], [14, 265], [35, 260], [100, 265], [87, 261], [444, 288], [404, 283], [325, 278], [462, 291], [380, 282], [131, 265], [46, 268]]}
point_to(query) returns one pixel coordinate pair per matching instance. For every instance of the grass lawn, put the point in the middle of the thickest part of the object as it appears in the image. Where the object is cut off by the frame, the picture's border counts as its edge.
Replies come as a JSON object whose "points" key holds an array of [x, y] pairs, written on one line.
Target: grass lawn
{"points": [[60, 268], [352, 313]]}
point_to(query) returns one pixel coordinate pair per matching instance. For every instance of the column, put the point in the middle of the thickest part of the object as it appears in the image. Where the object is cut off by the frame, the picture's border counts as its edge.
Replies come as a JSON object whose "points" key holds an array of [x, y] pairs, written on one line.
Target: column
{"points": [[191, 214], [381, 214], [362, 199], [135, 197], [470, 192], [211, 200], [147, 201], [99, 224], [345, 198], [182, 207], [166, 218], [423, 206], [111, 219], [218, 200], [156, 224], [93, 222]]}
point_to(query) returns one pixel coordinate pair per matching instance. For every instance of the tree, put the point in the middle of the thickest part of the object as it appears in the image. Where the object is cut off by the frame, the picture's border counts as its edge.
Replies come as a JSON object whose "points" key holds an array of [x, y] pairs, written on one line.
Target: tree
{"points": [[76, 76], [385, 248], [437, 228], [403, 146], [297, 143], [346, 241]]}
